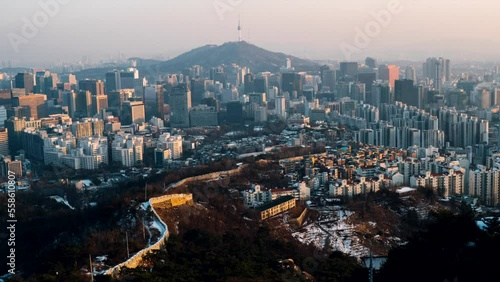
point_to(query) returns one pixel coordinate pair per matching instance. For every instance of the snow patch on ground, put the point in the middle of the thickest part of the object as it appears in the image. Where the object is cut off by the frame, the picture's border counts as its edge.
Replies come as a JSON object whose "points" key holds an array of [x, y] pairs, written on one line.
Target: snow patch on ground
{"points": [[156, 224], [144, 206], [101, 258], [61, 200], [333, 232]]}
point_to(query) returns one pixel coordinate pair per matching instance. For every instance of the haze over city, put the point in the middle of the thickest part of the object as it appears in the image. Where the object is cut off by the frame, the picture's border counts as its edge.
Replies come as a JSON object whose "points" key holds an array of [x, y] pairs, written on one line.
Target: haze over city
{"points": [[249, 140], [100, 30]]}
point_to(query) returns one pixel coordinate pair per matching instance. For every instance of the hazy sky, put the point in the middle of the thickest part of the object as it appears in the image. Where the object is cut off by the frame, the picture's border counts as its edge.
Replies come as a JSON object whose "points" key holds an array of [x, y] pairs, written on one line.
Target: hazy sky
{"points": [[315, 29]]}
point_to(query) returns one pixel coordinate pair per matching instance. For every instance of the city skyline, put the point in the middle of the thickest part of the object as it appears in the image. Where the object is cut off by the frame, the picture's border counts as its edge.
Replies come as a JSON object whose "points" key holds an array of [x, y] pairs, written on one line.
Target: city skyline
{"points": [[70, 30]]}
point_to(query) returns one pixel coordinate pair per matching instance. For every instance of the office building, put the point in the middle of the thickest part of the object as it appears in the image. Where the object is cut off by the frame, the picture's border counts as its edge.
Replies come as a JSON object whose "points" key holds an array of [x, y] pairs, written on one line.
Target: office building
{"points": [[367, 78], [113, 81], [257, 98], [280, 107], [153, 101], [50, 83], [69, 101], [348, 71], [99, 103], [261, 84], [128, 78], [39, 85], [35, 102], [197, 91], [234, 112], [180, 105], [203, 115], [116, 99], [132, 113], [83, 104], [328, 80], [389, 73], [292, 83], [95, 87], [409, 94], [24, 81], [249, 83]]}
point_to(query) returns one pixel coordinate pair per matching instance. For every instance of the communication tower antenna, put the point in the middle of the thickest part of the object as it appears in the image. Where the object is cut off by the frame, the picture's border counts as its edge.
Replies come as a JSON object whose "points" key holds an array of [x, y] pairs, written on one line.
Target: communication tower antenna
{"points": [[239, 28]]}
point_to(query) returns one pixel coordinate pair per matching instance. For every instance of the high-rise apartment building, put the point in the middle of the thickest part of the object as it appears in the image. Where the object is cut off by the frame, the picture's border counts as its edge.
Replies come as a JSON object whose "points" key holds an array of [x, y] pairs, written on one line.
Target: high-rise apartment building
{"points": [[381, 94], [368, 78], [438, 70], [484, 183], [411, 74]]}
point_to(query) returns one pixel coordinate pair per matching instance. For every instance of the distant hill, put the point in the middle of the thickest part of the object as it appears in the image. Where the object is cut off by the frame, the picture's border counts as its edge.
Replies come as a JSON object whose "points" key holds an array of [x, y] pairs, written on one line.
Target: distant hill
{"points": [[93, 73], [145, 62], [15, 70], [240, 53], [208, 56]]}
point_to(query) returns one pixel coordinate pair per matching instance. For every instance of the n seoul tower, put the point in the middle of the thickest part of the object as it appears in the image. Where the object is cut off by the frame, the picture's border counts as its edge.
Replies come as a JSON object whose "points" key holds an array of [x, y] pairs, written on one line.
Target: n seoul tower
{"points": [[239, 29]]}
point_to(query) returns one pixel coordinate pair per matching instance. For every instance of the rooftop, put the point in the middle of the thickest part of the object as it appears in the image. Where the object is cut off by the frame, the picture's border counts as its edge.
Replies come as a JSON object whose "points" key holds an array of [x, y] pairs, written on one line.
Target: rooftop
{"points": [[276, 202]]}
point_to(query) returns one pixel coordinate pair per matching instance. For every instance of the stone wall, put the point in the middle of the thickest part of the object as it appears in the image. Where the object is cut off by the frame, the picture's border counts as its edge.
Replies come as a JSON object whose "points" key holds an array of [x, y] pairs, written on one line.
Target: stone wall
{"points": [[158, 202], [299, 220], [168, 201], [204, 177]]}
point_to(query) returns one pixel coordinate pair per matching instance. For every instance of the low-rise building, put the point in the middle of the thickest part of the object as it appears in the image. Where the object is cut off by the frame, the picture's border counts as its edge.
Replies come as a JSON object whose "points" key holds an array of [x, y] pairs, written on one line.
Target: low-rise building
{"points": [[256, 196], [277, 206]]}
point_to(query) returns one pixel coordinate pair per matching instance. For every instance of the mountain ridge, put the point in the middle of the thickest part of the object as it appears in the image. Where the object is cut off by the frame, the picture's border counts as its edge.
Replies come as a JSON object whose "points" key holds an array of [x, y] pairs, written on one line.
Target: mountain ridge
{"points": [[241, 53]]}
